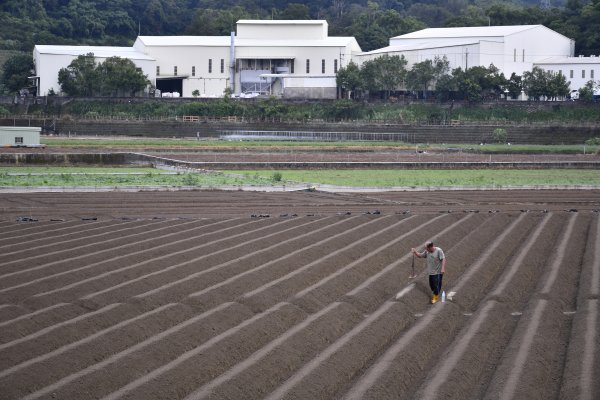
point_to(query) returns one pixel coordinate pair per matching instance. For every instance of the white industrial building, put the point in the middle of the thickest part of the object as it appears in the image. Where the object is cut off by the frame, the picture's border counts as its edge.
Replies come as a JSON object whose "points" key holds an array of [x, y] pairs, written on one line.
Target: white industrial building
{"points": [[282, 58], [291, 59], [577, 70], [509, 48], [48, 60]]}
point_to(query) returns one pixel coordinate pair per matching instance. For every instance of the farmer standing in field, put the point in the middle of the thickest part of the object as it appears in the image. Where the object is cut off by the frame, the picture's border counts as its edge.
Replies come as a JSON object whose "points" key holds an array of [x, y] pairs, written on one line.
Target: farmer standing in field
{"points": [[436, 266]]}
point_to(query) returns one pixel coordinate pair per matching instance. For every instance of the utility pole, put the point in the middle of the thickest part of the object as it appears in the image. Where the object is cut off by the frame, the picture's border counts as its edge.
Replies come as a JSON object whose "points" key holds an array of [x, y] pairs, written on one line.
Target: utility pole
{"points": [[466, 59]]}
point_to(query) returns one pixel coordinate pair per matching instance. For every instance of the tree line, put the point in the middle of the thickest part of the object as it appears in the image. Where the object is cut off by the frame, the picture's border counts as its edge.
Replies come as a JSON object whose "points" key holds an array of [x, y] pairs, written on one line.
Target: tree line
{"points": [[25, 23], [387, 75]]}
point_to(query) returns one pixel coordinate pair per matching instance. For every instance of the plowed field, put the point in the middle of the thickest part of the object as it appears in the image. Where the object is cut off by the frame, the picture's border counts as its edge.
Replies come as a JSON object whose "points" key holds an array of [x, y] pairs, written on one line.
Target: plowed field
{"points": [[192, 295]]}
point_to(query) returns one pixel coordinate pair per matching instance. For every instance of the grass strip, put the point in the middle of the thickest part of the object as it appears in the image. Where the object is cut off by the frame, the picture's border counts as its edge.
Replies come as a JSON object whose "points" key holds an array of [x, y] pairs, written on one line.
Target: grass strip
{"points": [[420, 178], [166, 143], [96, 177]]}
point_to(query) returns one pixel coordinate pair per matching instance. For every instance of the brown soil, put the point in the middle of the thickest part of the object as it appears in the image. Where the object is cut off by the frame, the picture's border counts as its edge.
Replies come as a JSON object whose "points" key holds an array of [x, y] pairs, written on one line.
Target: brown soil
{"points": [[156, 295]]}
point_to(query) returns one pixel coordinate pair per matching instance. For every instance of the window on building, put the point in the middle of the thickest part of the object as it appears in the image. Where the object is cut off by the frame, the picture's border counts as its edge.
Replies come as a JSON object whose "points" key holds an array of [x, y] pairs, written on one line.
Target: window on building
{"points": [[523, 57], [193, 71], [175, 70], [591, 74], [515, 55], [292, 63], [560, 71], [308, 66], [222, 65], [210, 65], [322, 66], [335, 66], [18, 140], [157, 70], [583, 73], [571, 74]]}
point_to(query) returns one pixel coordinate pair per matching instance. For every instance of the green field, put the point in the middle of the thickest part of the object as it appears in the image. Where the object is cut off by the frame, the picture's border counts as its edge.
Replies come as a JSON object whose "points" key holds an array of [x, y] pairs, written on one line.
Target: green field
{"points": [[420, 178], [133, 143], [94, 177]]}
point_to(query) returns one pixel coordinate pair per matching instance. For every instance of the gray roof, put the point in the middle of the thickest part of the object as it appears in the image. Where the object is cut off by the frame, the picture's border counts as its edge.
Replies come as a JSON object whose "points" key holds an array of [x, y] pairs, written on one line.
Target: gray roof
{"points": [[224, 41], [99, 51], [569, 60], [420, 46], [469, 31]]}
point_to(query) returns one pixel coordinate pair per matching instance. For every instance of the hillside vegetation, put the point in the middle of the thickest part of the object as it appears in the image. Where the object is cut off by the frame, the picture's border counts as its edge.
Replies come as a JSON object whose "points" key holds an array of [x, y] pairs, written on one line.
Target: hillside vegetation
{"points": [[24, 23]]}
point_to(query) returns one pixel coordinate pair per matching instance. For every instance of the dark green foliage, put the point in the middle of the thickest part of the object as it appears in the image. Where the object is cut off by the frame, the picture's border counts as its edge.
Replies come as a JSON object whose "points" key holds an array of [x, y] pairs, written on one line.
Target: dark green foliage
{"points": [[24, 23], [15, 72], [115, 76], [540, 84]]}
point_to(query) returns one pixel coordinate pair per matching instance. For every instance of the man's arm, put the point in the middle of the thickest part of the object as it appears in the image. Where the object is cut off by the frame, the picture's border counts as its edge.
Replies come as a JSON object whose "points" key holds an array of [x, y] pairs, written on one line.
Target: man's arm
{"points": [[414, 251], [443, 265]]}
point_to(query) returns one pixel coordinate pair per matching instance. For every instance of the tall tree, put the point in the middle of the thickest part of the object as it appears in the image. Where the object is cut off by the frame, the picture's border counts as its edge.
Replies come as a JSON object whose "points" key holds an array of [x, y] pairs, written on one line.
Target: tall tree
{"points": [[80, 78], [15, 72], [349, 79], [121, 76], [384, 74]]}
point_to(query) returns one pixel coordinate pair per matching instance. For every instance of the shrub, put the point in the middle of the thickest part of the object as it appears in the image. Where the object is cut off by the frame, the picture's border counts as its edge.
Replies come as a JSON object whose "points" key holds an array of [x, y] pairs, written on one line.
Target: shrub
{"points": [[499, 135], [276, 177], [595, 141]]}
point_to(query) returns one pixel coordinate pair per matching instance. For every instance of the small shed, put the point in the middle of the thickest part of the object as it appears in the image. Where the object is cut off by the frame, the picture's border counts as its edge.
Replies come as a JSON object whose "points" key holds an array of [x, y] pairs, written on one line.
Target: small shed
{"points": [[20, 136]]}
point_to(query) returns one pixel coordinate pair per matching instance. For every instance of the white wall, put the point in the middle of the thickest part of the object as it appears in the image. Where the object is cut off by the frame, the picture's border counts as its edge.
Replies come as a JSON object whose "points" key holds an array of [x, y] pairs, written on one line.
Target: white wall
{"points": [[47, 67], [576, 67], [281, 30], [30, 135]]}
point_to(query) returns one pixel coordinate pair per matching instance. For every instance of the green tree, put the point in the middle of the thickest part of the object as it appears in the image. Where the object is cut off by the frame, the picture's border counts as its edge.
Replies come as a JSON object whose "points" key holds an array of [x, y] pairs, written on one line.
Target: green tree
{"points": [[424, 75], [121, 76], [514, 85], [15, 72], [384, 74], [586, 93], [349, 79], [80, 78], [539, 84], [295, 11]]}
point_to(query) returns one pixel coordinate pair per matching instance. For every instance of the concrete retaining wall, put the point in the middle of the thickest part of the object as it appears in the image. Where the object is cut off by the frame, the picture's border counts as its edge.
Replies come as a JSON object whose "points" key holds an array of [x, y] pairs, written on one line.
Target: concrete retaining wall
{"points": [[516, 134]]}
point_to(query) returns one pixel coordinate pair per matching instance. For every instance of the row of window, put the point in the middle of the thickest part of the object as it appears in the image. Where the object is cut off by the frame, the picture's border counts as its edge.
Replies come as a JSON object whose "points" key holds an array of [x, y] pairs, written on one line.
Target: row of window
{"points": [[210, 67], [572, 74]]}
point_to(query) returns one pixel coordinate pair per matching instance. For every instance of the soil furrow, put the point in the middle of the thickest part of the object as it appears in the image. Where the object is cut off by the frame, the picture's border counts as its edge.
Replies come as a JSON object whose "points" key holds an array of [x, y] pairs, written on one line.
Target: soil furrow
{"points": [[171, 269], [168, 255], [277, 318], [26, 269], [73, 227], [94, 266], [242, 259], [291, 282], [37, 333], [537, 350], [240, 283], [79, 375], [63, 252]]}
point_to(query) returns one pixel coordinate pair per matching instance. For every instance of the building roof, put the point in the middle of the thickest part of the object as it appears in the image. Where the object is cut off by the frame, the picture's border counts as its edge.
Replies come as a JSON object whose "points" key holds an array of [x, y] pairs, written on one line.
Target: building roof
{"points": [[225, 41], [469, 31], [569, 60], [420, 46], [99, 51], [283, 21]]}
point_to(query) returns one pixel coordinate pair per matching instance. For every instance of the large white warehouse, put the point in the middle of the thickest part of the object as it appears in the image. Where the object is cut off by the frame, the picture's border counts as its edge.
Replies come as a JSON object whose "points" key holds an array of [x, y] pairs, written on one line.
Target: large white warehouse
{"points": [[264, 57], [48, 60], [509, 48]]}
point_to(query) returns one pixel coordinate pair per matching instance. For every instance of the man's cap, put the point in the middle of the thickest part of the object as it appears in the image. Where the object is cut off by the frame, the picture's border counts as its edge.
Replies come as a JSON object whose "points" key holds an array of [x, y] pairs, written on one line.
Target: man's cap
{"points": [[429, 243]]}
